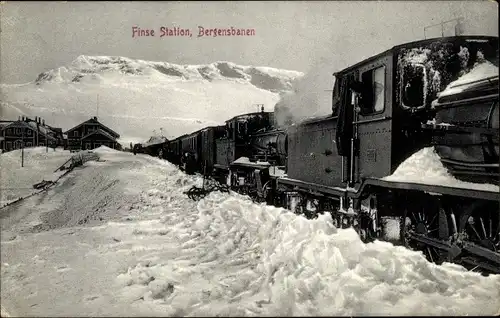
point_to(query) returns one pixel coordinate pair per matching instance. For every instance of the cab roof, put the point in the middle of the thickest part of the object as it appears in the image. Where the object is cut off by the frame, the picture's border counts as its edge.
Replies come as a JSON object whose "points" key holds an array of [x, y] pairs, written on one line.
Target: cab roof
{"points": [[415, 44]]}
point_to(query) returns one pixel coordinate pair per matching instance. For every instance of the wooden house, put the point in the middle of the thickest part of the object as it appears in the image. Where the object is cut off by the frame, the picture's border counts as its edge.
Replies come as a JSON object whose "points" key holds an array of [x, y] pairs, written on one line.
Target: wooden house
{"points": [[26, 132], [91, 134]]}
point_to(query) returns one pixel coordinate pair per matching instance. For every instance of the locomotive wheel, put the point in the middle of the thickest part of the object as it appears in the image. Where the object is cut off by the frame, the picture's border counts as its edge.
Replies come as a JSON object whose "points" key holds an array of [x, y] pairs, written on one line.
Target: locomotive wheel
{"points": [[480, 224], [431, 225]]}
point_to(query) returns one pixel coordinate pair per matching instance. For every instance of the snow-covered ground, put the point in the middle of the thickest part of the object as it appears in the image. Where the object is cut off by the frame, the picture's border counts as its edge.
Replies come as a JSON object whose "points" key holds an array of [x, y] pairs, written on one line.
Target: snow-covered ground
{"points": [[119, 237], [136, 97], [39, 164]]}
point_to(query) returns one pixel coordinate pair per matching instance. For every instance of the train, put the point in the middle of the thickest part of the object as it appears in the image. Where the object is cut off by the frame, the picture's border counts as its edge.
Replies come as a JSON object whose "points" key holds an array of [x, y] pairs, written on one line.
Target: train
{"points": [[385, 109]]}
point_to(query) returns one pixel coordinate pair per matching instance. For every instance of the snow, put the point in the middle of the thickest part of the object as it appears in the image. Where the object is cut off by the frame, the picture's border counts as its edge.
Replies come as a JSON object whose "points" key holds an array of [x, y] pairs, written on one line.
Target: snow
{"points": [[136, 97], [154, 140], [242, 160], [135, 245], [479, 72], [425, 167], [246, 160], [275, 171], [39, 164], [417, 56]]}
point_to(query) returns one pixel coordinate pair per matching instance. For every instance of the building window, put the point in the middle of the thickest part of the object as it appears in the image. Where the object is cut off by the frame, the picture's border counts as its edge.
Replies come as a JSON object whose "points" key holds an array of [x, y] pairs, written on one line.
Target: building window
{"points": [[41, 144], [29, 144], [373, 98], [9, 145], [88, 145], [75, 133], [18, 131], [28, 132]]}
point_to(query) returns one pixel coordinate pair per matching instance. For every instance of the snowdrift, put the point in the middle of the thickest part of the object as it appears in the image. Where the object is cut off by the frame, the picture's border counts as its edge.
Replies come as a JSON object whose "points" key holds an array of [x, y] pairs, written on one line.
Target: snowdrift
{"points": [[152, 251], [39, 164], [135, 97]]}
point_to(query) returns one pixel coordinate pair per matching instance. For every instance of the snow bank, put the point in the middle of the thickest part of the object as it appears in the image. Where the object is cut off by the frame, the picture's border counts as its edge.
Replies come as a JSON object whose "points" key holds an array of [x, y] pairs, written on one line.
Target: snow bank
{"points": [[230, 257], [425, 167], [39, 164], [163, 254]]}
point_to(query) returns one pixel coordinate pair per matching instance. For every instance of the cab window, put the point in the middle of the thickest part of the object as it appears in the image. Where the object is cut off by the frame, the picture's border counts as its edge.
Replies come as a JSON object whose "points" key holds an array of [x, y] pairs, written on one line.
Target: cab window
{"points": [[373, 99]]}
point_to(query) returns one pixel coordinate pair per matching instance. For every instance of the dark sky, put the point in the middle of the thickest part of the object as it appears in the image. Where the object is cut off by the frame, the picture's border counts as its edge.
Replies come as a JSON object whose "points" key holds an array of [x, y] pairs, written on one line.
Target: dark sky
{"points": [[38, 36]]}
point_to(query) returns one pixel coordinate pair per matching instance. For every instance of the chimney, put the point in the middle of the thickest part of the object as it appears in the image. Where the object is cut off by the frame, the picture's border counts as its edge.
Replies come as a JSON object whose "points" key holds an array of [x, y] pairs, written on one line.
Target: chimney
{"points": [[19, 118], [95, 118], [43, 122], [262, 108], [36, 119]]}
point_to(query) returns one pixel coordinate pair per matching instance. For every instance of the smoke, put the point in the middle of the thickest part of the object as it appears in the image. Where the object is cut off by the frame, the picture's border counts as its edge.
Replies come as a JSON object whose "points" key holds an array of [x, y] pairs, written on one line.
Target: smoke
{"points": [[311, 96]]}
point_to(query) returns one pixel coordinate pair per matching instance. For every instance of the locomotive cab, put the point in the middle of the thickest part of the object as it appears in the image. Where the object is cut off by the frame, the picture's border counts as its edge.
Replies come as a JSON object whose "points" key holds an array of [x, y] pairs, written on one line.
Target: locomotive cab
{"points": [[383, 103]]}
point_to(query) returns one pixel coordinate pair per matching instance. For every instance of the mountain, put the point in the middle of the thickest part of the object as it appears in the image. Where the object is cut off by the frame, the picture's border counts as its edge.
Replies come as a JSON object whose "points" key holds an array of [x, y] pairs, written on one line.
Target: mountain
{"points": [[140, 98]]}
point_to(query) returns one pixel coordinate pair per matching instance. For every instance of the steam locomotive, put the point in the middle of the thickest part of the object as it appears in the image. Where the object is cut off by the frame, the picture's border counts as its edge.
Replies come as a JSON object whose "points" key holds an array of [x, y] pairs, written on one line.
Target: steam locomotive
{"points": [[384, 110]]}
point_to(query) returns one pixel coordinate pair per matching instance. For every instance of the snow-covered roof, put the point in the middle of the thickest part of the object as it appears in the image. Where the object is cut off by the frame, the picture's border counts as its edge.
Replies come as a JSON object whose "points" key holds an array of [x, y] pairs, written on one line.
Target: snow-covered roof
{"points": [[33, 126], [95, 121], [99, 131], [155, 140], [4, 124]]}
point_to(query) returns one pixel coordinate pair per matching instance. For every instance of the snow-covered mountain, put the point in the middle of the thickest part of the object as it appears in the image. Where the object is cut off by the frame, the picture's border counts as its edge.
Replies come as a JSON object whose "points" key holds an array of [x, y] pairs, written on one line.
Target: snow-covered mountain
{"points": [[139, 98]]}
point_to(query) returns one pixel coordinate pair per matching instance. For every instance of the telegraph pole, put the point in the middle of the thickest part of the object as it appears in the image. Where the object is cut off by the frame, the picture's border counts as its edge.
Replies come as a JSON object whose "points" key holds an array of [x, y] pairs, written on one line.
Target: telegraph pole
{"points": [[22, 149]]}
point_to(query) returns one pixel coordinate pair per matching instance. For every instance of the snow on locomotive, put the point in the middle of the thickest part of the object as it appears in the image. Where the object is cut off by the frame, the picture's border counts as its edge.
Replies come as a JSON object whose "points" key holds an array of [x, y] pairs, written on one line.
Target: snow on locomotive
{"points": [[408, 155]]}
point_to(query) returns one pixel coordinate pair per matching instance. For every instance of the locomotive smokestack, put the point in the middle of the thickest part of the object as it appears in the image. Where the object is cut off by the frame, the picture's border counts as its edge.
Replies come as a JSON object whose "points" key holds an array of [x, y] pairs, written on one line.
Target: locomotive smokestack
{"points": [[262, 108]]}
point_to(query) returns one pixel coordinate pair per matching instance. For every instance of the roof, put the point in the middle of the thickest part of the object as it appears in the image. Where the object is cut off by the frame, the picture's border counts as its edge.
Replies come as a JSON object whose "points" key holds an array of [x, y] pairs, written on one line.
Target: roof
{"points": [[245, 116], [55, 129], [33, 126], [155, 140], [95, 121], [417, 44], [5, 123], [99, 131]]}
